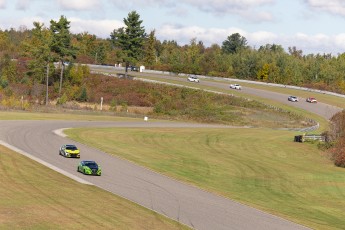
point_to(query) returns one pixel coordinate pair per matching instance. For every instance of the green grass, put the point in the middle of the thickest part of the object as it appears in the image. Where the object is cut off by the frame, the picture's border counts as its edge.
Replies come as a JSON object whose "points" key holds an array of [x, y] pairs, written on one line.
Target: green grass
{"points": [[35, 197], [77, 115], [260, 167]]}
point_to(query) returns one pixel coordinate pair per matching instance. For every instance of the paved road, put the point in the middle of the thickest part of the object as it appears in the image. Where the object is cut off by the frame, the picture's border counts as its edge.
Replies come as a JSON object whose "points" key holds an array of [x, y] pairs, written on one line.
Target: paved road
{"points": [[184, 203], [321, 109]]}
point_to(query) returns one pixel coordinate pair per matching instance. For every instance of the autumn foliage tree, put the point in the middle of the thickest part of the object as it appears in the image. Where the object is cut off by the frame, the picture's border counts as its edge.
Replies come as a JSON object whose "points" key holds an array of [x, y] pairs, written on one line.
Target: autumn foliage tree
{"points": [[336, 138]]}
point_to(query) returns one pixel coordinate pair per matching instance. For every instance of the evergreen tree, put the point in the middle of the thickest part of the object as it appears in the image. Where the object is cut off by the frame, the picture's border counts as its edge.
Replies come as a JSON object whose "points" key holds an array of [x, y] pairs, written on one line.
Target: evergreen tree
{"points": [[61, 42], [130, 39], [234, 43], [38, 47], [150, 50]]}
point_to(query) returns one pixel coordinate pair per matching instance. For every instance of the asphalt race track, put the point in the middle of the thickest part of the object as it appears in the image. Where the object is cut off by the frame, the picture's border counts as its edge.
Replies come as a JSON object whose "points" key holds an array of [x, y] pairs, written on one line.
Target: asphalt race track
{"points": [[184, 203], [321, 109]]}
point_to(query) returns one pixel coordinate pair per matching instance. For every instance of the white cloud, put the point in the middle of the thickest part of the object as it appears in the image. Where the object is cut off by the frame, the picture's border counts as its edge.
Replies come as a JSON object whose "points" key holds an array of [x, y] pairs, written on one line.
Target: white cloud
{"points": [[246, 9], [330, 6], [2, 4], [135, 4], [26, 22], [79, 5], [101, 28], [317, 43], [256, 17], [262, 37], [22, 4], [228, 5]]}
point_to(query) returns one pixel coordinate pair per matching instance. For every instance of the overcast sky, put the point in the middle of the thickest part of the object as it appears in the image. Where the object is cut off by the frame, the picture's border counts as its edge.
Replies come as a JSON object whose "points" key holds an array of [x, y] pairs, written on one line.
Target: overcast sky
{"points": [[314, 26]]}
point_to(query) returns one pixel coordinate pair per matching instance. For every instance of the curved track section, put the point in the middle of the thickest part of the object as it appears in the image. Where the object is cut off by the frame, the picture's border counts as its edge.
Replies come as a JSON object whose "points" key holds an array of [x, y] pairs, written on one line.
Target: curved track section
{"points": [[184, 203], [321, 109]]}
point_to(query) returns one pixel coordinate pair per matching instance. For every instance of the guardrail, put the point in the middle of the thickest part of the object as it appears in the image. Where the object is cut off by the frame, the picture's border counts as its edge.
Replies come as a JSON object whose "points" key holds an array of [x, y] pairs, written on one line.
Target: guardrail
{"points": [[309, 137]]}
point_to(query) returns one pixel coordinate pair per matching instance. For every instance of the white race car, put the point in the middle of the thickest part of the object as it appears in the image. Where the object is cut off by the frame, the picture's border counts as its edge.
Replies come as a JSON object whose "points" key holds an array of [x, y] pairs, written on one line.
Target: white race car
{"points": [[235, 86], [293, 98], [193, 79]]}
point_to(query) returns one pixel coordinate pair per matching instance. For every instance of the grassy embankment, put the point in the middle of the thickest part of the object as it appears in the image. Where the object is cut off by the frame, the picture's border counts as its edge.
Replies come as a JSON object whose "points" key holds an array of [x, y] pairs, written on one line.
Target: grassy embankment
{"points": [[35, 197], [332, 100], [263, 168]]}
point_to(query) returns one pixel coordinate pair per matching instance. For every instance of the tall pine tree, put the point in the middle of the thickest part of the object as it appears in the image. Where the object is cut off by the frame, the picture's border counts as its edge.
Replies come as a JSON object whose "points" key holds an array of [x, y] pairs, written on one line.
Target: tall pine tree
{"points": [[130, 39], [61, 43]]}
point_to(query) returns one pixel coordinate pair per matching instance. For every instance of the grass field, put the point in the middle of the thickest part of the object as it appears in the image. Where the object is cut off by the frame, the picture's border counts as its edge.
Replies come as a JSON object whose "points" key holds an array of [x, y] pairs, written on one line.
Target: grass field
{"points": [[35, 197], [260, 167], [77, 115]]}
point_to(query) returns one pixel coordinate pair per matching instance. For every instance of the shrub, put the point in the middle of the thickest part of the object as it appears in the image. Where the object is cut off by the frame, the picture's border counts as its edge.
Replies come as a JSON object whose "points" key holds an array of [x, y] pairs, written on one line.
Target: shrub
{"points": [[15, 103], [338, 153], [3, 83], [62, 100], [336, 137], [113, 105], [83, 95]]}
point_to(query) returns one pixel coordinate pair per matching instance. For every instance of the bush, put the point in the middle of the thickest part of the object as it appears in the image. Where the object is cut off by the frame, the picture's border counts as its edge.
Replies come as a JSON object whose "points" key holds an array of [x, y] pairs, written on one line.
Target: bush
{"points": [[113, 105], [3, 83], [62, 100], [338, 155], [336, 135], [15, 103], [83, 95]]}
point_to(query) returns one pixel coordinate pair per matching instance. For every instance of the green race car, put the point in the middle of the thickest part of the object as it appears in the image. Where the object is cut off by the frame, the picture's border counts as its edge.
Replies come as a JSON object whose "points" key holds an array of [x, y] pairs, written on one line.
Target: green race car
{"points": [[89, 168], [69, 151]]}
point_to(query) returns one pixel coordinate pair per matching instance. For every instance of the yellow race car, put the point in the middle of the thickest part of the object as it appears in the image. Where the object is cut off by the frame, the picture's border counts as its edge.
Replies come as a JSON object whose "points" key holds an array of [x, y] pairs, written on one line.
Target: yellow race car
{"points": [[69, 151]]}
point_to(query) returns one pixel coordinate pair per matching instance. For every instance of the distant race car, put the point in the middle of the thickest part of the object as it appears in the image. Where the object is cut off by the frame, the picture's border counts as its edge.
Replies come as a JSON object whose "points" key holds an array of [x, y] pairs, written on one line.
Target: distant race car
{"points": [[69, 151], [193, 79], [89, 168], [311, 100], [293, 98], [235, 86]]}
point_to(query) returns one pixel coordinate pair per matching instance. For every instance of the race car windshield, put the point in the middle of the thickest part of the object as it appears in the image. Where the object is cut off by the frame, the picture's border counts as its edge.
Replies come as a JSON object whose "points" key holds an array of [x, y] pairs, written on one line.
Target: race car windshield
{"points": [[71, 147], [91, 165]]}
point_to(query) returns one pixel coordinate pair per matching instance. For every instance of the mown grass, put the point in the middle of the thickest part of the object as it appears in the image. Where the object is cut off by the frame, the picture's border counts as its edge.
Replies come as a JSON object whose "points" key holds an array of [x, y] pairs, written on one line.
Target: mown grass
{"points": [[76, 115], [260, 167], [35, 197]]}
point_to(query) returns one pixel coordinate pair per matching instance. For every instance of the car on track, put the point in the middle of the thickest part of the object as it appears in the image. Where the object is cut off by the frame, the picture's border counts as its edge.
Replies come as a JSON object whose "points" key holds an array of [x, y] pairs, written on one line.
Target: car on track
{"points": [[89, 168], [193, 79], [235, 86], [134, 68], [311, 100], [293, 98], [69, 151]]}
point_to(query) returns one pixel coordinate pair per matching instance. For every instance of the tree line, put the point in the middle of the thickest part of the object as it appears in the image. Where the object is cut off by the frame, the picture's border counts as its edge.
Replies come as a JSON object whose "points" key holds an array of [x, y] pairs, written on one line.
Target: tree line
{"points": [[27, 56]]}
